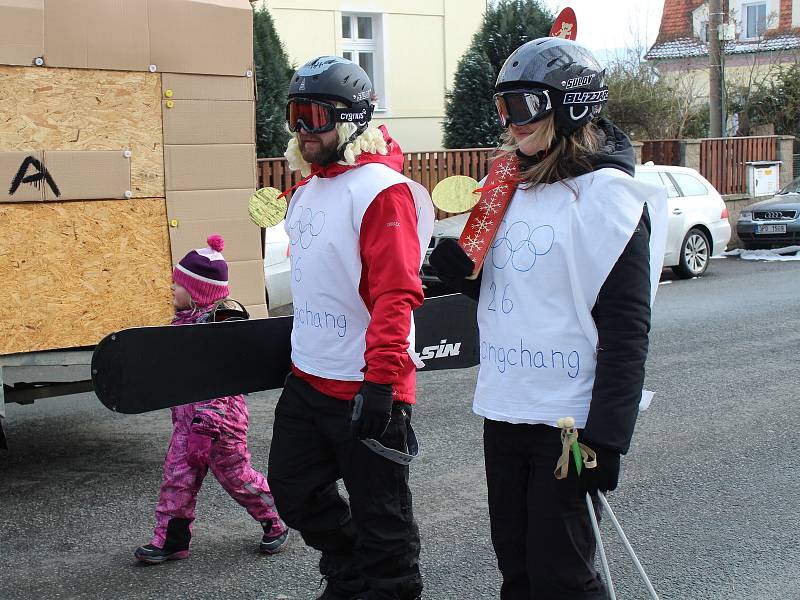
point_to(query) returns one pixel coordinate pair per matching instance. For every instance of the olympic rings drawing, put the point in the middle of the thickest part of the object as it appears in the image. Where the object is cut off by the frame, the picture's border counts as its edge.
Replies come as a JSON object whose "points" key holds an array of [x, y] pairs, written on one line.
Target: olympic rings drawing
{"points": [[306, 226], [520, 245]]}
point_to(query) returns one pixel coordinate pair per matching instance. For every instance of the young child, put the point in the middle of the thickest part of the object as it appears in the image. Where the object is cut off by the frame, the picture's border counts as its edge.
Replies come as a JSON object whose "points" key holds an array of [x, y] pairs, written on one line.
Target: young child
{"points": [[207, 435]]}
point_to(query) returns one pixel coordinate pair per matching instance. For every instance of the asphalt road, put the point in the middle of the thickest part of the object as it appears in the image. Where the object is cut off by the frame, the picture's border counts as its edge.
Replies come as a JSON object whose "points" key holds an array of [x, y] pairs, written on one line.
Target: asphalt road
{"points": [[708, 495]]}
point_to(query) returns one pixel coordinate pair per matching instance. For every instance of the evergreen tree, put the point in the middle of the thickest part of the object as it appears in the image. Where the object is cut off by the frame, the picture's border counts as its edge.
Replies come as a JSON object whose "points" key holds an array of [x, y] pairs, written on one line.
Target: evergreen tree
{"points": [[470, 119], [272, 80]]}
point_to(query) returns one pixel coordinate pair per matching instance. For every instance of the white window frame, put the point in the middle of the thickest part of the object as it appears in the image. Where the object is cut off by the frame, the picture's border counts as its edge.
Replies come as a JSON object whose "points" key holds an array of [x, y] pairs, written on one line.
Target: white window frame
{"points": [[355, 45], [746, 23]]}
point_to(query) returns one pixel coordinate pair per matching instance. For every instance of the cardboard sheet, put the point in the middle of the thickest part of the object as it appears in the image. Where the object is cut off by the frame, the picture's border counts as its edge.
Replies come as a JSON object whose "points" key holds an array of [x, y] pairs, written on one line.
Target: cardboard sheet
{"points": [[201, 36], [180, 86], [201, 205], [206, 121], [257, 311], [22, 177], [247, 281], [97, 34], [21, 31], [88, 175], [210, 167], [242, 238]]}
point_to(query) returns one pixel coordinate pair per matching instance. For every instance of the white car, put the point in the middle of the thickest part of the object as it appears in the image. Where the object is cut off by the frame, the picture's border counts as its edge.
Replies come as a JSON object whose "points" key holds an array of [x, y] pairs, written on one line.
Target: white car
{"points": [[698, 222], [276, 266], [698, 218]]}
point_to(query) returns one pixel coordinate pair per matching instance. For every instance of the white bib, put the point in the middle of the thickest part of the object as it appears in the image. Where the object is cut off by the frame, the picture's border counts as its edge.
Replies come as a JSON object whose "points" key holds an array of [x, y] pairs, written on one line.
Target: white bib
{"points": [[323, 222], [548, 261]]}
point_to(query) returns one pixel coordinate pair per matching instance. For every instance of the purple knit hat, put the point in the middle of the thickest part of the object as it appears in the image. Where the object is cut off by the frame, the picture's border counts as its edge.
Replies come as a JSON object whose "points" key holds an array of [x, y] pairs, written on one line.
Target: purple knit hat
{"points": [[204, 272]]}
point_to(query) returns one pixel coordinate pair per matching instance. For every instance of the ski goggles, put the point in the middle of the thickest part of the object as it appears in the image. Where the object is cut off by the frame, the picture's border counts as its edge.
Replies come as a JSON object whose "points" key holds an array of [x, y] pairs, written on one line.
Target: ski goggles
{"points": [[318, 116], [522, 107]]}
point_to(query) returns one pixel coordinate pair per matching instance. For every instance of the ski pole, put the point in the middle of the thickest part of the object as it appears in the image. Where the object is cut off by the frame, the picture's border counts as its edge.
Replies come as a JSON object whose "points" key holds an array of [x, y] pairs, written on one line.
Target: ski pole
{"points": [[600, 548], [627, 545]]}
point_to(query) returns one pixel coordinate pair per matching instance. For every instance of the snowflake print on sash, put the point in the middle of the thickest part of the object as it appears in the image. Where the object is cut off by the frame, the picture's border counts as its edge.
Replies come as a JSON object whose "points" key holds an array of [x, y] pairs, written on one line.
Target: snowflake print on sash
{"points": [[486, 215]]}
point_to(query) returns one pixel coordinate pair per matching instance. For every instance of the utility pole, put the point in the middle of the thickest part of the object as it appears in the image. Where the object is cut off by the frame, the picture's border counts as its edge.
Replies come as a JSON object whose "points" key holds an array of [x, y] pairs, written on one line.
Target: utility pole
{"points": [[715, 93]]}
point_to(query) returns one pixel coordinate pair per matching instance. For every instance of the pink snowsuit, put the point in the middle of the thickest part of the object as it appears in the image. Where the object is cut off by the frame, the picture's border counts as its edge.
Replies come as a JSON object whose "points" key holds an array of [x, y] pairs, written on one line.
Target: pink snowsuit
{"points": [[226, 420]]}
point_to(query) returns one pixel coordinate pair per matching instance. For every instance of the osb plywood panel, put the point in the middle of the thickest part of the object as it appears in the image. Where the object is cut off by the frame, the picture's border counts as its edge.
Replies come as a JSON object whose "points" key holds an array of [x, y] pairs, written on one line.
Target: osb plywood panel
{"points": [[72, 272], [78, 109]]}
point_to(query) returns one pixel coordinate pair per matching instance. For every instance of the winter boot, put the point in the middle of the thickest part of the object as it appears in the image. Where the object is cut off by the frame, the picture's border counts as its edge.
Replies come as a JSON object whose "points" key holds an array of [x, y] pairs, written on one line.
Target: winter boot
{"points": [[176, 544], [276, 536], [342, 581]]}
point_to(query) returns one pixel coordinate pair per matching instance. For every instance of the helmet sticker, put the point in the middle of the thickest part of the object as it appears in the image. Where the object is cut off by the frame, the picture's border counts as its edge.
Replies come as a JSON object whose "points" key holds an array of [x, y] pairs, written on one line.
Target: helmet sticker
{"points": [[586, 97], [578, 81], [580, 116], [320, 65]]}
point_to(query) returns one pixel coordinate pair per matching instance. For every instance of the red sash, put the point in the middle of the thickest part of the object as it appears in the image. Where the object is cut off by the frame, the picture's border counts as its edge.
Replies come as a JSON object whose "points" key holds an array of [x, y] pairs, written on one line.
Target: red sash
{"points": [[483, 221]]}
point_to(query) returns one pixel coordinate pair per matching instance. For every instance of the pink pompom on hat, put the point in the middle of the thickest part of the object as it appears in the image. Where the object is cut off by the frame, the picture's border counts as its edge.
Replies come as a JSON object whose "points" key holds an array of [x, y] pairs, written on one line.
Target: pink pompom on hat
{"points": [[204, 272]]}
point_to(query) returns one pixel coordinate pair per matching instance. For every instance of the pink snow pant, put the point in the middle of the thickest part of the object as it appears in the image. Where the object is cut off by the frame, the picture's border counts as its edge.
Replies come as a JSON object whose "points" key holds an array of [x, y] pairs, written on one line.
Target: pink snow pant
{"points": [[229, 461]]}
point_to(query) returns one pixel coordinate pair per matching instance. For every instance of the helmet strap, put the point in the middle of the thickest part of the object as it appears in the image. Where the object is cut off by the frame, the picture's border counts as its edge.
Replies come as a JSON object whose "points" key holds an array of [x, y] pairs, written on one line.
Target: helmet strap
{"points": [[359, 130]]}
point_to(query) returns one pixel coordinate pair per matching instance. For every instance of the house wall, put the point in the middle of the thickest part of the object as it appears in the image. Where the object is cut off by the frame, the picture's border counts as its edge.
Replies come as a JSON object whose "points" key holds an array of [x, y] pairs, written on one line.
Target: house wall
{"points": [[692, 73], [420, 44]]}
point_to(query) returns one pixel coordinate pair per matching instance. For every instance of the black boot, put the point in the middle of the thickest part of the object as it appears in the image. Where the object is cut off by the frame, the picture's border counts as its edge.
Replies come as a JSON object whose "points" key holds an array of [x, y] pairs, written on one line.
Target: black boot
{"points": [[176, 544], [342, 581], [276, 536]]}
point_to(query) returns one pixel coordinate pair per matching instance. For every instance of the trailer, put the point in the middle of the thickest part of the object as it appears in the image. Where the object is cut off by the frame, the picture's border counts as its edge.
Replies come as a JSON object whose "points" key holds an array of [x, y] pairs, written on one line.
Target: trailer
{"points": [[127, 137]]}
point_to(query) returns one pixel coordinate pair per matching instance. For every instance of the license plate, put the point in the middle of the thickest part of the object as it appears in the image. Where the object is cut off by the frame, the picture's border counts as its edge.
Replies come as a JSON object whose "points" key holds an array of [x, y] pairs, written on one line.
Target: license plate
{"points": [[770, 228]]}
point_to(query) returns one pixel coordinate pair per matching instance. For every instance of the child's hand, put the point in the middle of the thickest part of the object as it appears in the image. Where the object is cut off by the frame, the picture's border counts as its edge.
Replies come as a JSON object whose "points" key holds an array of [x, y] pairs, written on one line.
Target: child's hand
{"points": [[198, 449]]}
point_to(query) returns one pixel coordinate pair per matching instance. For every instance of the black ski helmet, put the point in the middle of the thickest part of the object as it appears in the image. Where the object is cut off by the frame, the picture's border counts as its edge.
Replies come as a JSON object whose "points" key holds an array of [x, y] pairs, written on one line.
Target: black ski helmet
{"points": [[332, 78], [569, 71]]}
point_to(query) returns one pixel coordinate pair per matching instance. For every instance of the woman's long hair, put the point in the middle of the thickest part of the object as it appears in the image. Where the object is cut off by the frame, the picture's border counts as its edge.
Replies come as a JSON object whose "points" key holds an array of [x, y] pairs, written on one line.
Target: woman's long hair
{"points": [[567, 155]]}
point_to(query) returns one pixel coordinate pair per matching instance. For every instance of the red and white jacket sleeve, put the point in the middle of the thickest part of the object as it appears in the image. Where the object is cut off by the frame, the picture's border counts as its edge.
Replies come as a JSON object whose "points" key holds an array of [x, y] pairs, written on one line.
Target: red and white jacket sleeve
{"points": [[390, 284]]}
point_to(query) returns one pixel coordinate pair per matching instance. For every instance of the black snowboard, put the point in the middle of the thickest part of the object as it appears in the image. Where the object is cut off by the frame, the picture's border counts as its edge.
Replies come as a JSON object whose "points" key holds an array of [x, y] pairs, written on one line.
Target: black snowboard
{"points": [[147, 368]]}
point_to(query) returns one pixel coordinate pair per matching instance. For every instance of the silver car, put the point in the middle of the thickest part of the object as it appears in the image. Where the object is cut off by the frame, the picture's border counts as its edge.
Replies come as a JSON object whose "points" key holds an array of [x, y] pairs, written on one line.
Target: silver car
{"points": [[774, 222]]}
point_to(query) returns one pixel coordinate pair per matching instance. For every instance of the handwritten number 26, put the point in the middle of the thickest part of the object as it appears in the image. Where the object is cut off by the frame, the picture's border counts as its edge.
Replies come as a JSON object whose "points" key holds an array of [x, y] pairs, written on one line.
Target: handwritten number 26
{"points": [[506, 305]]}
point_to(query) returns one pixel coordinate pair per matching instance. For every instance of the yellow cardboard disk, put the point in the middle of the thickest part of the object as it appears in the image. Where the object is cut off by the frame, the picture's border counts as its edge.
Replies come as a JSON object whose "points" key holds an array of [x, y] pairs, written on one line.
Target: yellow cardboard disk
{"points": [[265, 208], [455, 194]]}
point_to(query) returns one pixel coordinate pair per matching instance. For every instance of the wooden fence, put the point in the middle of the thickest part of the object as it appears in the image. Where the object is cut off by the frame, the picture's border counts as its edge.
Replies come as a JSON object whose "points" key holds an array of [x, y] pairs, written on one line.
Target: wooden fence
{"points": [[723, 161], [662, 152], [427, 168]]}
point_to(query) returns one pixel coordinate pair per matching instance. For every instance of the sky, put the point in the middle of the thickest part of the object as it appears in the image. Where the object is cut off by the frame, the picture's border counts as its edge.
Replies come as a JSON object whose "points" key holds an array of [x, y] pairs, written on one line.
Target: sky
{"points": [[611, 25]]}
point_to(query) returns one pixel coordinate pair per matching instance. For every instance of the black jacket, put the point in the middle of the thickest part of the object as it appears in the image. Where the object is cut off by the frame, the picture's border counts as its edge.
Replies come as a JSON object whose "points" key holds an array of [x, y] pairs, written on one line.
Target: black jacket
{"points": [[621, 314]]}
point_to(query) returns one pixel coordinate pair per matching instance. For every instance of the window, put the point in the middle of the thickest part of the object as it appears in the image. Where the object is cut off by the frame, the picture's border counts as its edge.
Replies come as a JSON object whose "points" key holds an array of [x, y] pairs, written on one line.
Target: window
{"points": [[361, 44], [654, 178], [672, 190], [755, 19], [690, 186], [649, 177]]}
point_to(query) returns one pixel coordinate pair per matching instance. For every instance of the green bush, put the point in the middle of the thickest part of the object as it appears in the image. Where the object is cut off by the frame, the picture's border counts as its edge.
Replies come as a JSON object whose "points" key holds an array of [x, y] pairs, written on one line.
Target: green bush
{"points": [[273, 73]]}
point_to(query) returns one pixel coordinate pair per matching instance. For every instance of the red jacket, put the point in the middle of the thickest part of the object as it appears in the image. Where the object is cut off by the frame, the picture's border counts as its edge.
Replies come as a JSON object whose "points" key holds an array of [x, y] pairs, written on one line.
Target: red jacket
{"points": [[390, 285]]}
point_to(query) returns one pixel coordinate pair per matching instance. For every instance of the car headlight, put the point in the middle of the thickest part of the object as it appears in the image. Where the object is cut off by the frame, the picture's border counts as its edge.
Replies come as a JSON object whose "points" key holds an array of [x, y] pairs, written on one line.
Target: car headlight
{"points": [[746, 215]]}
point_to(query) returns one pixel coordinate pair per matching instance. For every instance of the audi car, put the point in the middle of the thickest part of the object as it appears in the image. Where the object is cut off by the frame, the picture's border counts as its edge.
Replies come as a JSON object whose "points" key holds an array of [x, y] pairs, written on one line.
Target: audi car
{"points": [[698, 225], [772, 223]]}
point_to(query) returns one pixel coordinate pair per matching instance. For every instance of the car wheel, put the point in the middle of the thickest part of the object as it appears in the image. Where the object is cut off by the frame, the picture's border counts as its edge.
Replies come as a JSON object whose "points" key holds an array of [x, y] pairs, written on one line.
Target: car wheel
{"points": [[695, 254]]}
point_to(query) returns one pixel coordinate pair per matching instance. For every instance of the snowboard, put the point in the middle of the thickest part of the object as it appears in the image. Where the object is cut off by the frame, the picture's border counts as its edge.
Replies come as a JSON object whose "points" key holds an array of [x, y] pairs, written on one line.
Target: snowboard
{"points": [[148, 368]]}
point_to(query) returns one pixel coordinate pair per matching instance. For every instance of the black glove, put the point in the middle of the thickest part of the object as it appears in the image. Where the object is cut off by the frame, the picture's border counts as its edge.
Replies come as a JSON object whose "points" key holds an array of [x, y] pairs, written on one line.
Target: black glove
{"points": [[450, 260], [605, 475], [372, 410]]}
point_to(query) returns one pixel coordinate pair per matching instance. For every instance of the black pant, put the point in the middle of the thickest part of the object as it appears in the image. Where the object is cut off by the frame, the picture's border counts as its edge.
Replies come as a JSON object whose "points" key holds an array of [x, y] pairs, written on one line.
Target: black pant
{"points": [[312, 448], [541, 531]]}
